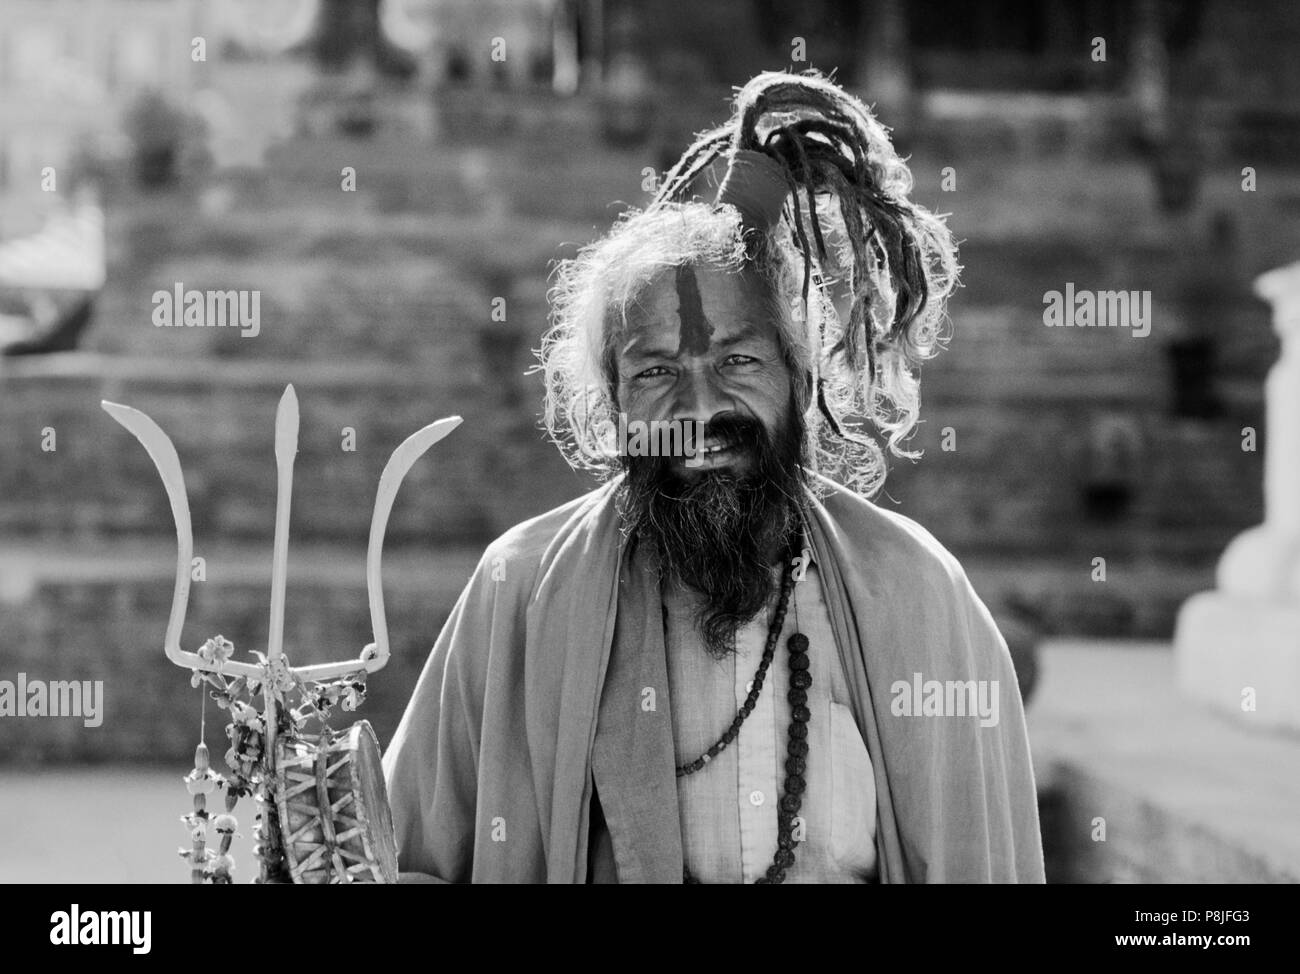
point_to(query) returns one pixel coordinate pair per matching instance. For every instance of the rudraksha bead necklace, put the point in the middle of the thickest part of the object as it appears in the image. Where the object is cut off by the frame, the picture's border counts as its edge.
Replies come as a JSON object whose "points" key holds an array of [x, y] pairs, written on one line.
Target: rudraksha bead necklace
{"points": [[797, 743]]}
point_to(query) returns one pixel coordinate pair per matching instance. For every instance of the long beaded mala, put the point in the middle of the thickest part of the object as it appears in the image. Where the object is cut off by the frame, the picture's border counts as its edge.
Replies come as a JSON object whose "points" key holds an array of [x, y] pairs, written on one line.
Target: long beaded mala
{"points": [[797, 743]]}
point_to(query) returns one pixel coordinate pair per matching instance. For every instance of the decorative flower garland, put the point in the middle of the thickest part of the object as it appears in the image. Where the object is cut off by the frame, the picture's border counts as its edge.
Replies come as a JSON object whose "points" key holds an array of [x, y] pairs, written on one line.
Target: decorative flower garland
{"points": [[252, 769]]}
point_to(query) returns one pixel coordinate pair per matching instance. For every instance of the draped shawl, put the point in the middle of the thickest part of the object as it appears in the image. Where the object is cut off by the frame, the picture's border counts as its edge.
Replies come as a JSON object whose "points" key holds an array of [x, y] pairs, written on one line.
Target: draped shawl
{"points": [[491, 771]]}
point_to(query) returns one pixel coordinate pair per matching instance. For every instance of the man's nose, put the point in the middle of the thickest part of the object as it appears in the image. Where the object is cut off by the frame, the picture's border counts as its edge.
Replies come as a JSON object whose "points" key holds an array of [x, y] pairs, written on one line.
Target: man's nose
{"points": [[700, 397]]}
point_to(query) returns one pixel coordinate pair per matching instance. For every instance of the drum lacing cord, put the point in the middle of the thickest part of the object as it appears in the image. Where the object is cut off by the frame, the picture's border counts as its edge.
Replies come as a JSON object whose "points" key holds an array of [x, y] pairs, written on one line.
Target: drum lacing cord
{"points": [[326, 808]]}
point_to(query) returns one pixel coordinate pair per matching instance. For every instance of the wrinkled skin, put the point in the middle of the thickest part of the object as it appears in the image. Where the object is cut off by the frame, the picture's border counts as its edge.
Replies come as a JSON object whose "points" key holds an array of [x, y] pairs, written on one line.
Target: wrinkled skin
{"points": [[700, 345]]}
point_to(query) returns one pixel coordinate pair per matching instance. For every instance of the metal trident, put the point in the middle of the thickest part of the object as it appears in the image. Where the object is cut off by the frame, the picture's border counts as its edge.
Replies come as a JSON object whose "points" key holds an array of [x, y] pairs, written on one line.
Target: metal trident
{"points": [[373, 656]]}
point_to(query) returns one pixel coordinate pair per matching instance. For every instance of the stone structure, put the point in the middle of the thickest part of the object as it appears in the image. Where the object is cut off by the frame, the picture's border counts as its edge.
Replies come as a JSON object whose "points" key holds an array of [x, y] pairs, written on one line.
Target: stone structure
{"points": [[67, 72], [1238, 647], [1135, 786]]}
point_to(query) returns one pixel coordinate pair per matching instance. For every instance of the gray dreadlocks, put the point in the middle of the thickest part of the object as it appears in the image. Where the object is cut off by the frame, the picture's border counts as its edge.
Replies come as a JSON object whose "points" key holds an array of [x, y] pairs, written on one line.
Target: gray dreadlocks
{"points": [[857, 274]]}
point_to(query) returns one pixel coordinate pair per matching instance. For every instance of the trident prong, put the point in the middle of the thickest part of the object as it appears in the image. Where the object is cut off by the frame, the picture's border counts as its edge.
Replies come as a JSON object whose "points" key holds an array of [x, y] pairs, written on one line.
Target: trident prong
{"points": [[163, 454], [286, 448]]}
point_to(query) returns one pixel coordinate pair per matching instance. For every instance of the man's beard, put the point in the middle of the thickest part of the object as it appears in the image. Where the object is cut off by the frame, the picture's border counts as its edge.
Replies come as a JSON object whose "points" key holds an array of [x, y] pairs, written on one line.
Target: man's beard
{"points": [[716, 531]]}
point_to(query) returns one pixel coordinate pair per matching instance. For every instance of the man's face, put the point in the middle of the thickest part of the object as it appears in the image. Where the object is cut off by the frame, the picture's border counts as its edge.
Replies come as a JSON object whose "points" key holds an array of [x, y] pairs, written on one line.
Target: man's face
{"points": [[700, 345]]}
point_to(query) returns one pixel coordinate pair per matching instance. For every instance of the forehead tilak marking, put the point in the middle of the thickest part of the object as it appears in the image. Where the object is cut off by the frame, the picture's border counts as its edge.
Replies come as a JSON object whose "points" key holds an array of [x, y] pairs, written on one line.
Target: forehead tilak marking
{"points": [[694, 327]]}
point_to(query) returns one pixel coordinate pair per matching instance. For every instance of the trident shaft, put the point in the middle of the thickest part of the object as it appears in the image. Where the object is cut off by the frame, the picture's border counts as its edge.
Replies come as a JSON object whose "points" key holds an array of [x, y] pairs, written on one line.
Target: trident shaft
{"points": [[374, 655]]}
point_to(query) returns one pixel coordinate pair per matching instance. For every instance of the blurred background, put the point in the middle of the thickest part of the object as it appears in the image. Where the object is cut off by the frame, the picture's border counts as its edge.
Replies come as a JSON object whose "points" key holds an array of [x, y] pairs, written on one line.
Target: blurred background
{"points": [[397, 177]]}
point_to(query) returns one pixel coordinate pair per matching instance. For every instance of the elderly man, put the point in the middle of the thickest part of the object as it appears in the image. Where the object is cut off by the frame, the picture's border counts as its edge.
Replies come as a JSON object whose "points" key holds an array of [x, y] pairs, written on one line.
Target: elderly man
{"points": [[726, 664]]}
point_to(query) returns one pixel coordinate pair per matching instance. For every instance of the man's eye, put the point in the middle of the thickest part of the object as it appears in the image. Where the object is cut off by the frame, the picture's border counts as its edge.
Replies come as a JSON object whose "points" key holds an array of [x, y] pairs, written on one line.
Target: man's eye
{"points": [[737, 359], [653, 372]]}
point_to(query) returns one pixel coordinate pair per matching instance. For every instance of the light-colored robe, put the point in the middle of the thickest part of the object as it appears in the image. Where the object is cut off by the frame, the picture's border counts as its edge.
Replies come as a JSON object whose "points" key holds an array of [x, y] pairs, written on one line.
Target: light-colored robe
{"points": [[490, 772]]}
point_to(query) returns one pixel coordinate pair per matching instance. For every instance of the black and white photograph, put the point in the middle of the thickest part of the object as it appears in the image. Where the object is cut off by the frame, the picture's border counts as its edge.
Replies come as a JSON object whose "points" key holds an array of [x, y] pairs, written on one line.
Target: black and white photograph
{"points": [[677, 442]]}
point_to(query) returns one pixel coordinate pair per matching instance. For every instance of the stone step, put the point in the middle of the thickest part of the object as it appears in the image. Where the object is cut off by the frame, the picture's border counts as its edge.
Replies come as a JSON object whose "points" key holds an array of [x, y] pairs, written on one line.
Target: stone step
{"points": [[490, 473], [332, 282], [1081, 480], [1183, 795], [1189, 486], [99, 612]]}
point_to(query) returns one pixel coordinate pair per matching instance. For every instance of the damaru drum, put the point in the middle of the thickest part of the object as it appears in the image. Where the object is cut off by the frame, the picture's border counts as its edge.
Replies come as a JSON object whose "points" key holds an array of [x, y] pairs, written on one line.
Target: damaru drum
{"points": [[334, 817]]}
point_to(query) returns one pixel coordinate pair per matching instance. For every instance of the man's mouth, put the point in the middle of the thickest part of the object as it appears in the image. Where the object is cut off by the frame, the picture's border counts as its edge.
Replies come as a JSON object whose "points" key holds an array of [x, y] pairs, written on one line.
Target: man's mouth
{"points": [[715, 453]]}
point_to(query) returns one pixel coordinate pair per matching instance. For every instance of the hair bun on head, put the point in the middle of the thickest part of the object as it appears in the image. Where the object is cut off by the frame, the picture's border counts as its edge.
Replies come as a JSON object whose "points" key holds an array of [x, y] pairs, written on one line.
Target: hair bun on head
{"points": [[757, 186], [800, 150]]}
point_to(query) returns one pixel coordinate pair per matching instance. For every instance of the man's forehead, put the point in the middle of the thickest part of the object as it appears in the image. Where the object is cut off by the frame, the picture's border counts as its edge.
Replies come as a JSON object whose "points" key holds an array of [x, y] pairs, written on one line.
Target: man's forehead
{"points": [[715, 284], [698, 306]]}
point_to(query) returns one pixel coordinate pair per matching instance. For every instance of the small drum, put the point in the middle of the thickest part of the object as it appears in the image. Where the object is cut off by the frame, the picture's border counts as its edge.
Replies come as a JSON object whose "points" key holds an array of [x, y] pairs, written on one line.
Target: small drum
{"points": [[335, 821]]}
